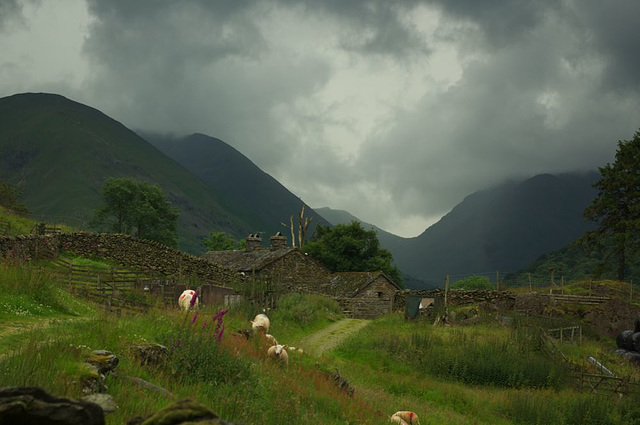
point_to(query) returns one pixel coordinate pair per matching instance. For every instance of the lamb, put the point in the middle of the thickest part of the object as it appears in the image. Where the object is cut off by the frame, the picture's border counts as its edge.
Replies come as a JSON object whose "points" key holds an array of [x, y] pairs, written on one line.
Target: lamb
{"points": [[186, 301], [405, 417], [279, 353], [261, 323]]}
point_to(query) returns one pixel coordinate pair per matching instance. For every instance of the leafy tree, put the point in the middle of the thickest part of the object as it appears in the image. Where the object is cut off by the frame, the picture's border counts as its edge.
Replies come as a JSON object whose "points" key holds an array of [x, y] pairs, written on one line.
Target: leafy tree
{"points": [[616, 208], [220, 241], [349, 247], [9, 195], [137, 208], [473, 282]]}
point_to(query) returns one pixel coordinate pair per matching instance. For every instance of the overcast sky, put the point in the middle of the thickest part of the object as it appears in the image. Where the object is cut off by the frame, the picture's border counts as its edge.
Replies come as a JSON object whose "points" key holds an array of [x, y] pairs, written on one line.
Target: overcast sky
{"points": [[392, 110]]}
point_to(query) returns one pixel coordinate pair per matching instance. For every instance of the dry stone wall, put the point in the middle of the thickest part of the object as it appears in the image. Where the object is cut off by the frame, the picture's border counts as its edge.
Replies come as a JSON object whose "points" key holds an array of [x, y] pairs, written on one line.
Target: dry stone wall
{"points": [[456, 297], [125, 250]]}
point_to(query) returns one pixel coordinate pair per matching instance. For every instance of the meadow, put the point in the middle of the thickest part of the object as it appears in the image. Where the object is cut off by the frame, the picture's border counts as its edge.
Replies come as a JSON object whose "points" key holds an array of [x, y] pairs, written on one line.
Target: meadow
{"points": [[481, 374]]}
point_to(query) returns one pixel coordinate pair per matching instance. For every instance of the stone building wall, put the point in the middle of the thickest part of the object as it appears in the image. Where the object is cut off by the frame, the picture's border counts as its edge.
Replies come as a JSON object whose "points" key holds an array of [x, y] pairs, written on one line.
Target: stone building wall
{"points": [[296, 272], [375, 300], [125, 250]]}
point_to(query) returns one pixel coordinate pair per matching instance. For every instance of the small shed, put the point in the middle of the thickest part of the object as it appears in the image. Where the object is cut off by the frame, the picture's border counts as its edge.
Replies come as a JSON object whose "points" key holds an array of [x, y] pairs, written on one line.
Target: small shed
{"points": [[363, 295]]}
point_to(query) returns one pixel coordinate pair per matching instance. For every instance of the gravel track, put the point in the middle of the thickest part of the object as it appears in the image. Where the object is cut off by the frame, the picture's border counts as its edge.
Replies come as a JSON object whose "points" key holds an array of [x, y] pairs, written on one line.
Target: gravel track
{"points": [[331, 336]]}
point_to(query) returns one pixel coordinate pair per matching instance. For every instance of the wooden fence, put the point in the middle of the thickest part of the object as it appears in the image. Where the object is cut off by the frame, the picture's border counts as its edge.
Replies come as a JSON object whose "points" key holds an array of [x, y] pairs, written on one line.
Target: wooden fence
{"points": [[116, 287], [45, 229], [578, 299], [590, 382]]}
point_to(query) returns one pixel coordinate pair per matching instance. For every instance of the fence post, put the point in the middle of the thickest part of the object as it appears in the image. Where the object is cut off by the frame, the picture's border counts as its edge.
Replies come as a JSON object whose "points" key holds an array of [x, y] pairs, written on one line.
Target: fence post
{"points": [[530, 287], [70, 274], [497, 280], [446, 294], [631, 295]]}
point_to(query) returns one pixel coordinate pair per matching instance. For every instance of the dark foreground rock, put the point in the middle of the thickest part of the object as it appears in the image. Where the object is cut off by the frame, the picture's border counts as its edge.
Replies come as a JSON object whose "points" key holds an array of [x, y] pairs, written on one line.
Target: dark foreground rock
{"points": [[35, 406], [181, 412]]}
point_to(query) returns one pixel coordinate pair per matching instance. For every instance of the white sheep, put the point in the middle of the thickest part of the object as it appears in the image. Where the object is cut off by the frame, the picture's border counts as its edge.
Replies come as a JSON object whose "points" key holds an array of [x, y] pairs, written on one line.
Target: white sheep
{"points": [[261, 323], [405, 417], [271, 339], [184, 301], [279, 353]]}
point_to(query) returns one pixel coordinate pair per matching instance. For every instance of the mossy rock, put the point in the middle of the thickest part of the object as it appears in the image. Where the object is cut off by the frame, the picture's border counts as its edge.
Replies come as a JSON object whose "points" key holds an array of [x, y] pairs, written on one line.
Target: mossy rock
{"points": [[182, 412]]}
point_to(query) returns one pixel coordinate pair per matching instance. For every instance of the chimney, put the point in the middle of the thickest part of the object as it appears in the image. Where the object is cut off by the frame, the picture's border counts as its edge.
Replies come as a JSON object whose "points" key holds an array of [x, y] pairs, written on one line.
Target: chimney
{"points": [[278, 241], [254, 242]]}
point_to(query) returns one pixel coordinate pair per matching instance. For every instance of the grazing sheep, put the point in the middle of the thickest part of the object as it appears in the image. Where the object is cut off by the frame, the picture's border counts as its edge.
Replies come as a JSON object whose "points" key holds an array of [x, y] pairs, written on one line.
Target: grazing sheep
{"points": [[261, 323], [405, 417], [271, 339], [186, 301], [278, 352]]}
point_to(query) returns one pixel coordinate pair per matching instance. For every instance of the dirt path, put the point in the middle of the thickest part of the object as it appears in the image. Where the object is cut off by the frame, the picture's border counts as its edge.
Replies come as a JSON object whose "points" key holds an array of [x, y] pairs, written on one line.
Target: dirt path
{"points": [[329, 337]]}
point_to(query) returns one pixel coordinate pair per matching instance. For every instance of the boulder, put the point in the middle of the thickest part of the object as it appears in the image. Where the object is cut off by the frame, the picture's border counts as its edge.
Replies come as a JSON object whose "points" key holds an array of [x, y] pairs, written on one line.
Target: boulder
{"points": [[181, 412], [105, 361], [35, 406], [150, 354], [105, 401]]}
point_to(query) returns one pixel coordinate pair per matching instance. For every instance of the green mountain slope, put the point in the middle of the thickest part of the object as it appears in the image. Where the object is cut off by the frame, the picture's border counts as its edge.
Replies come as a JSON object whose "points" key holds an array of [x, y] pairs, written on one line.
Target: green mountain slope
{"points": [[59, 153], [504, 228], [500, 229], [245, 190]]}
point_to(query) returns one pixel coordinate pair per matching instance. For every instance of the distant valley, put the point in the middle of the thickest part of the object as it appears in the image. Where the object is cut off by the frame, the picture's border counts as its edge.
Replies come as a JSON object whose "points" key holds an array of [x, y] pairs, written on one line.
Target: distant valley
{"points": [[59, 152]]}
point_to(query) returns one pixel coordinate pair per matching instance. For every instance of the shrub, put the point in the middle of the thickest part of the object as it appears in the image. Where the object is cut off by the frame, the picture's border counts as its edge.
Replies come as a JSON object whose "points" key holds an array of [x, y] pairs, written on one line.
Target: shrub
{"points": [[473, 282]]}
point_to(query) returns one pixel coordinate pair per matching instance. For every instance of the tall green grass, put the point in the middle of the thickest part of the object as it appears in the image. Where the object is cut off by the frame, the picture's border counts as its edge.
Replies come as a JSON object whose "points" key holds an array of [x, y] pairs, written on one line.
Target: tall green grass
{"points": [[30, 292], [497, 357]]}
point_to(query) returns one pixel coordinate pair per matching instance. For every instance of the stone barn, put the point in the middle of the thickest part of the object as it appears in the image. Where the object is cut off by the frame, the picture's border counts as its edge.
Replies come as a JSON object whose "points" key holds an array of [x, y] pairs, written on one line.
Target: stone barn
{"points": [[277, 269], [363, 295]]}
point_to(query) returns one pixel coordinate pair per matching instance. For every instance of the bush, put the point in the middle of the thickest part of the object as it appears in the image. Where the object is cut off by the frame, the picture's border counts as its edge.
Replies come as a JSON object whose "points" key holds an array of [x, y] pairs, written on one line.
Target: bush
{"points": [[473, 283]]}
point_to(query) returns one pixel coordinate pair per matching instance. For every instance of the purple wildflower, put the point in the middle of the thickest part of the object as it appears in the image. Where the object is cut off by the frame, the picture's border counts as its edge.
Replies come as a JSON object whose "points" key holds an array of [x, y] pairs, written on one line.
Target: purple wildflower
{"points": [[195, 316], [193, 299], [204, 325]]}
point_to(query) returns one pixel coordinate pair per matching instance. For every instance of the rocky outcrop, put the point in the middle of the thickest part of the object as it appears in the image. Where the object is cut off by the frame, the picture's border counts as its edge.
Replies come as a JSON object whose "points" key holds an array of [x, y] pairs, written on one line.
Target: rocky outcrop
{"points": [[35, 406]]}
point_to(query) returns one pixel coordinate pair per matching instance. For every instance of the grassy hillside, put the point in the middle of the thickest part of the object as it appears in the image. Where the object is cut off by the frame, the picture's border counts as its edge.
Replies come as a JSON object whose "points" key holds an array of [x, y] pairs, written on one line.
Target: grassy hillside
{"points": [[245, 190], [59, 153]]}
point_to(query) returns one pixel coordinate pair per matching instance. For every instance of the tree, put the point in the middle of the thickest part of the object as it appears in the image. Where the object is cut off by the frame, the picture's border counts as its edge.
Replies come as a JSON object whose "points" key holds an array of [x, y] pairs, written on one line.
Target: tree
{"points": [[473, 282], [137, 208], [9, 195], [349, 247], [220, 241], [616, 208]]}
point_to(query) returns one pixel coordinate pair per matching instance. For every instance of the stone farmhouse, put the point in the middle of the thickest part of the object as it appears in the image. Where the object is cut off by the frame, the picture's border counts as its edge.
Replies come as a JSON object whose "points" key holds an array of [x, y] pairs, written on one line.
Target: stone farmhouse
{"points": [[279, 269], [365, 295]]}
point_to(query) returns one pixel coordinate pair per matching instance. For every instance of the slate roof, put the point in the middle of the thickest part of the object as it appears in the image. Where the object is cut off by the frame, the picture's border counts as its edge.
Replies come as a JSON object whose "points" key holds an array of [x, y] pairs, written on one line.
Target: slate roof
{"points": [[349, 284], [243, 261]]}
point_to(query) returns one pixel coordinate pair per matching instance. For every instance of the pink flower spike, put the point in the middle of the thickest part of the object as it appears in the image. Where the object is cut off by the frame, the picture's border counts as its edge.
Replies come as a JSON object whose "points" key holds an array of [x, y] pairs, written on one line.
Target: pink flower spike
{"points": [[193, 299], [195, 316], [204, 325]]}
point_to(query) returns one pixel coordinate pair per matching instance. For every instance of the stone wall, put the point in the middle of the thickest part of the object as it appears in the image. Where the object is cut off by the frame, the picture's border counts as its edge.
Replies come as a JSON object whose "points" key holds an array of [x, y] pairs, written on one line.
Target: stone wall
{"points": [[125, 250], [374, 301], [457, 297]]}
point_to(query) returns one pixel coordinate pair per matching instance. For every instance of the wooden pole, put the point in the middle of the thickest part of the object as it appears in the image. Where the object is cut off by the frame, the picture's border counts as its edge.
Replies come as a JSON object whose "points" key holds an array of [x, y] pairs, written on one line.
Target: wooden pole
{"points": [[631, 294], [497, 280], [446, 294], [530, 287]]}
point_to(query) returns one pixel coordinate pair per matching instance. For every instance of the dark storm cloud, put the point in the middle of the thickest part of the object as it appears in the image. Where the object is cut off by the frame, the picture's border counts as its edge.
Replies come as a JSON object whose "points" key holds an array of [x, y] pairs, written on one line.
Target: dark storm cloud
{"points": [[529, 104], [10, 13], [392, 107]]}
